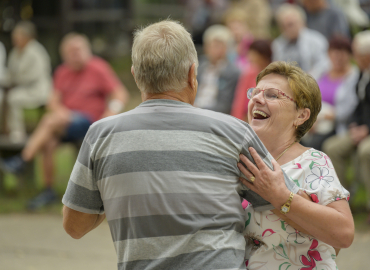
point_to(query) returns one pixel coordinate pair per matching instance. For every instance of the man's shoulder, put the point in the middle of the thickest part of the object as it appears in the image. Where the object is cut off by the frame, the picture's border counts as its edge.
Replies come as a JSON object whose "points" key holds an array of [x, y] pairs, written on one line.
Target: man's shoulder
{"points": [[141, 115]]}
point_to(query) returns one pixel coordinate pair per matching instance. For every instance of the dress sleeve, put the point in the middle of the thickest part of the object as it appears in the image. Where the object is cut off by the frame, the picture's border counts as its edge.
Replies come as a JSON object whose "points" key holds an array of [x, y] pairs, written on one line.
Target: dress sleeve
{"points": [[82, 192], [321, 181]]}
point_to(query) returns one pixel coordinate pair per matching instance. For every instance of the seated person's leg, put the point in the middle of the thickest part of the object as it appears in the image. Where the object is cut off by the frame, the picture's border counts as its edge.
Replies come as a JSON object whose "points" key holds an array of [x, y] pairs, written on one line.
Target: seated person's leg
{"points": [[74, 131], [339, 148], [51, 125], [18, 99], [363, 153]]}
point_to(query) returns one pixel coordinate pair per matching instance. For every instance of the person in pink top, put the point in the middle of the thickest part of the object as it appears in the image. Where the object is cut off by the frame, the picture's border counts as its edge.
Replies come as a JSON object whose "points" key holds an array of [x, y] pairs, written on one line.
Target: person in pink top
{"points": [[85, 90], [259, 56]]}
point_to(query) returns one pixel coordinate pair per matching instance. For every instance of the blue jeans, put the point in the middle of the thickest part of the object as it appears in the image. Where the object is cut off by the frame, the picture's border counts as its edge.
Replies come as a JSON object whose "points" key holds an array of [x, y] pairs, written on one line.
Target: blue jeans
{"points": [[78, 127]]}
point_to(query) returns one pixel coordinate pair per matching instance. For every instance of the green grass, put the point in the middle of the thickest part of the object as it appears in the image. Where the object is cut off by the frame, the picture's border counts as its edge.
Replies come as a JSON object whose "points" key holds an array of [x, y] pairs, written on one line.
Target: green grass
{"points": [[16, 197]]}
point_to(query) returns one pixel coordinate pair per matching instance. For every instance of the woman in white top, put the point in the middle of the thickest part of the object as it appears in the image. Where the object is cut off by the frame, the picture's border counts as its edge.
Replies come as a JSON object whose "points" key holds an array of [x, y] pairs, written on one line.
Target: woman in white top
{"points": [[302, 232]]}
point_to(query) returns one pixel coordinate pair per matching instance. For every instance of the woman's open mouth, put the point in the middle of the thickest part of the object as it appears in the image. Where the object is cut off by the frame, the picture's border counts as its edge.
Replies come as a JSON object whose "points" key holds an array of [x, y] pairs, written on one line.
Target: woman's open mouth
{"points": [[260, 115]]}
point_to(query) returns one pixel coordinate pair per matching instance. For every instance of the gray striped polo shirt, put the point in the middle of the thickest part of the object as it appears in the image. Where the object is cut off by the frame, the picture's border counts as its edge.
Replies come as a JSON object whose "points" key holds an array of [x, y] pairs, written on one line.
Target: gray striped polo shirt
{"points": [[166, 176]]}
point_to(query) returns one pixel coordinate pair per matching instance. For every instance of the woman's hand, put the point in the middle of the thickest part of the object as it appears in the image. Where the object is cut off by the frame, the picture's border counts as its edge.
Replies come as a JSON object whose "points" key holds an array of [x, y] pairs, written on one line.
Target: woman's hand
{"points": [[269, 184]]}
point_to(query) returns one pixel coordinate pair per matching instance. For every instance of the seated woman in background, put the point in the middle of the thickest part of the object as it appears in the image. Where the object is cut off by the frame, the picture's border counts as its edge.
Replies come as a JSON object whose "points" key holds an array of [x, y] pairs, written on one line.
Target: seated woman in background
{"points": [[259, 56], [338, 92], [298, 233]]}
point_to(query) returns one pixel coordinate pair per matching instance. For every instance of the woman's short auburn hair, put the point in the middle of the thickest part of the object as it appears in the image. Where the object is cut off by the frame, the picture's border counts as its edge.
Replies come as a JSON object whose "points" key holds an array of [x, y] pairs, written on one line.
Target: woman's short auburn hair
{"points": [[306, 92]]}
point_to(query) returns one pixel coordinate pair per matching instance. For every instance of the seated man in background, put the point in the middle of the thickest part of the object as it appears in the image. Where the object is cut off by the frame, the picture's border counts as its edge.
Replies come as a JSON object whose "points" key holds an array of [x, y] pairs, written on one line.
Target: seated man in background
{"points": [[85, 90], [28, 78], [217, 77], [297, 43], [341, 147]]}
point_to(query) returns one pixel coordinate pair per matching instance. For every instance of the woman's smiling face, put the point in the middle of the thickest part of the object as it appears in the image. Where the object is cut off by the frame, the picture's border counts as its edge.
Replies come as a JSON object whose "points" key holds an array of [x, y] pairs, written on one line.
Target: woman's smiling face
{"points": [[273, 117]]}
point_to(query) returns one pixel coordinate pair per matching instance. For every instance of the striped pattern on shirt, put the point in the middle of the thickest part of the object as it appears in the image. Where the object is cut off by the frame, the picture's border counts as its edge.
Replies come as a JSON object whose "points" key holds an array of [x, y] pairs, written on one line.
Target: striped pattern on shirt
{"points": [[166, 176]]}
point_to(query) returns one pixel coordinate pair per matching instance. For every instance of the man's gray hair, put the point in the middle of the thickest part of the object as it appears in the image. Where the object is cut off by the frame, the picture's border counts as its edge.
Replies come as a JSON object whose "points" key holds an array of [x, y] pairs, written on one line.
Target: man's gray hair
{"points": [[361, 42], [27, 27], [162, 55], [286, 9]]}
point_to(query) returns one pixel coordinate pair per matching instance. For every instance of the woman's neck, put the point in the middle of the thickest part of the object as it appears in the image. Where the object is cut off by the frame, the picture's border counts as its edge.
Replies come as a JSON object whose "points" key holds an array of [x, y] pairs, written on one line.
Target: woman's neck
{"points": [[276, 148]]}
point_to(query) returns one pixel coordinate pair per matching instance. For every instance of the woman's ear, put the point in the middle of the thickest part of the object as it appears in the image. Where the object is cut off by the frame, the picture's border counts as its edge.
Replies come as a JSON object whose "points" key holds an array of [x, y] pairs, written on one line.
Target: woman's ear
{"points": [[303, 116]]}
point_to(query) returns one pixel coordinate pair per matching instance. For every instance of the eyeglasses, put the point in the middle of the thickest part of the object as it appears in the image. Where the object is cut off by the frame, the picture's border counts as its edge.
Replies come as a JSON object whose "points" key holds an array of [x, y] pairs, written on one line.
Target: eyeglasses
{"points": [[269, 94]]}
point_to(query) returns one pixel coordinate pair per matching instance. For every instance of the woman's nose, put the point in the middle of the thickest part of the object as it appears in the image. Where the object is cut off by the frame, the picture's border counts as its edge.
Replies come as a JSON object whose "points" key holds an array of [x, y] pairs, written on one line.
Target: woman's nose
{"points": [[259, 97]]}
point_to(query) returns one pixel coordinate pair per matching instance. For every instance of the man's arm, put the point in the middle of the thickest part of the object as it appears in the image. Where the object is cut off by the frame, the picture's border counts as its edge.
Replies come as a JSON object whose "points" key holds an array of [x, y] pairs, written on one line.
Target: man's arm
{"points": [[116, 101], [77, 224]]}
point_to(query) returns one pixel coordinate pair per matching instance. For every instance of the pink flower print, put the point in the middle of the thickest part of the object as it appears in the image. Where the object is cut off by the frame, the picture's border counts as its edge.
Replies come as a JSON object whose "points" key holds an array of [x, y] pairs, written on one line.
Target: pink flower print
{"points": [[313, 255], [348, 198], [314, 198], [319, 176], [245, 204], [298, 166], [267, 233]]}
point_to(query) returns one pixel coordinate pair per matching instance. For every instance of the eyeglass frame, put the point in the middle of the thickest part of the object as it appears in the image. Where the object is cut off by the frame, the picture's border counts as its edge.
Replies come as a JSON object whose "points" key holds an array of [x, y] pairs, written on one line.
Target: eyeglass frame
{"points": [[261, 90]]}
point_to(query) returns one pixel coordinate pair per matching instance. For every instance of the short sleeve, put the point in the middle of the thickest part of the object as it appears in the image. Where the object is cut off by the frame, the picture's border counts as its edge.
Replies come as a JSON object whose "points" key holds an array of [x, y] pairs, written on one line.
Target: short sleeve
{"points": [[82, 192], [321, 182], [108, 78]]}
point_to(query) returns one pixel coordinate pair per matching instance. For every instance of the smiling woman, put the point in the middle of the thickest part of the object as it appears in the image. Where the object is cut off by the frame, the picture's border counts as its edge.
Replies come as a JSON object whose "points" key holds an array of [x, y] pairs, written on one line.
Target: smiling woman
{"points": [[302, 232]]}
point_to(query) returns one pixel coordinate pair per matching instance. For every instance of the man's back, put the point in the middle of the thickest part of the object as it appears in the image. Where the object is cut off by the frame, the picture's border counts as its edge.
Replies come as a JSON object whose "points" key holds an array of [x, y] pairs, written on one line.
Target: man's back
{"points": [[166, 176]]}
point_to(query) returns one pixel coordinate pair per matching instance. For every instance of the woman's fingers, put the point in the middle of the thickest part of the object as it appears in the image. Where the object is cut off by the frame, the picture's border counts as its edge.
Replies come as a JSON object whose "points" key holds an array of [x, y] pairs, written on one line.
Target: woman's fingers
{"points": [[259, 162], [247, 184], [251, 167], [244, 171]]}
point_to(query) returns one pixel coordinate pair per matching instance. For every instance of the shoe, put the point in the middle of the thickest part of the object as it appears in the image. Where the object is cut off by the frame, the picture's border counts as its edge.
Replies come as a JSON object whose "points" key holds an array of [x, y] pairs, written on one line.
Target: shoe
{"points": [[14, 164], [46, 197]]}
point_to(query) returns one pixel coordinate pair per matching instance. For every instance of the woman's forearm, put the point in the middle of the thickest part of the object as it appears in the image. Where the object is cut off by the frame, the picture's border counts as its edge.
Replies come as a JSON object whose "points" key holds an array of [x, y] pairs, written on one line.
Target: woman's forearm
{"points": [[332, 224]]}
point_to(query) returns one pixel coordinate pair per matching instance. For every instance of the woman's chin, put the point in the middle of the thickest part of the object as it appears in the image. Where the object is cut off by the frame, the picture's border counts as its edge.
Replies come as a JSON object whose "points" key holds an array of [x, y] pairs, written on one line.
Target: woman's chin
{"points": [[258, 123]]}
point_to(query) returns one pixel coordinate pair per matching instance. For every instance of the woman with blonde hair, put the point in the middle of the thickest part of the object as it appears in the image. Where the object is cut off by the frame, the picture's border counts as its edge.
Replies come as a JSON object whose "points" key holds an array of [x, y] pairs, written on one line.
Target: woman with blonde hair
{"points": [[298, 233]]}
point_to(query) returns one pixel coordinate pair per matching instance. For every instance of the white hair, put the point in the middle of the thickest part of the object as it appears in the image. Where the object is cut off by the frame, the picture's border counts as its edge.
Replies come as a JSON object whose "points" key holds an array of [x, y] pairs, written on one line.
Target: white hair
{"points": [[361, 42], [27, 28], [287, 9], [162, 55], [218, 32]]}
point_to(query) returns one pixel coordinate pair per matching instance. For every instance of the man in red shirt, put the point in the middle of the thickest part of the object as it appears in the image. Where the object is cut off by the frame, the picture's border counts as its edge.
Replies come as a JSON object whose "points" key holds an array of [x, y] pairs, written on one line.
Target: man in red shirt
{"points": [[85, 90]]}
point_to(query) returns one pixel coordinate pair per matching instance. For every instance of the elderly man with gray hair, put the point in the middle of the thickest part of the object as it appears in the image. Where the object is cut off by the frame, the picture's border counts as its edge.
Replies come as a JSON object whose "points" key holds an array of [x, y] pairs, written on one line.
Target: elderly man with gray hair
{"points": [[165, 174], [217, 77], [28, 77], [297, 43]]}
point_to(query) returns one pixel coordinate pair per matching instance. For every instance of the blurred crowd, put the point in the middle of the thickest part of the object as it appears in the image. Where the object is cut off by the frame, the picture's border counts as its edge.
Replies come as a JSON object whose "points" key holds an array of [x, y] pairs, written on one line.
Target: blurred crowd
{"points": [[326, 38], [235, 40]]}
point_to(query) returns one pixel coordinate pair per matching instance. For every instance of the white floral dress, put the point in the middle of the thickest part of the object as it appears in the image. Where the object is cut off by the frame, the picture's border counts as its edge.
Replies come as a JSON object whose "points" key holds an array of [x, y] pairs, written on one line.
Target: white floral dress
{"points": [[272, 243]]}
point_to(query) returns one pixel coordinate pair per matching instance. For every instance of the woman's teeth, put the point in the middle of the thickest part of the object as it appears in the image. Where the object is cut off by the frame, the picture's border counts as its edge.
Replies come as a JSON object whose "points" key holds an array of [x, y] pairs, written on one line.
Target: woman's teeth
{"points": [[260, 113]]}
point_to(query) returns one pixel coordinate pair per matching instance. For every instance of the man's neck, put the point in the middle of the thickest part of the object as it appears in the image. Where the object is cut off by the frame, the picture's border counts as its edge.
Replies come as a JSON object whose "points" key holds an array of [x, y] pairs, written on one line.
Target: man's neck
{"points": [[171, 95]]}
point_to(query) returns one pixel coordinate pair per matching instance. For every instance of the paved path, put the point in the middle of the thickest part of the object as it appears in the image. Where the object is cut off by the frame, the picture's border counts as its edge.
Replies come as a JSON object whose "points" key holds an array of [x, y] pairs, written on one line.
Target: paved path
{"points": [[38, 242]]}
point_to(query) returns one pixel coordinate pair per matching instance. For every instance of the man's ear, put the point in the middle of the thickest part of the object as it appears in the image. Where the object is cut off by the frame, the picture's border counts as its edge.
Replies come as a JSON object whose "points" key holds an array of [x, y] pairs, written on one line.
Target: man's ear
{"points": [[192, 77], [303, 116]]}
